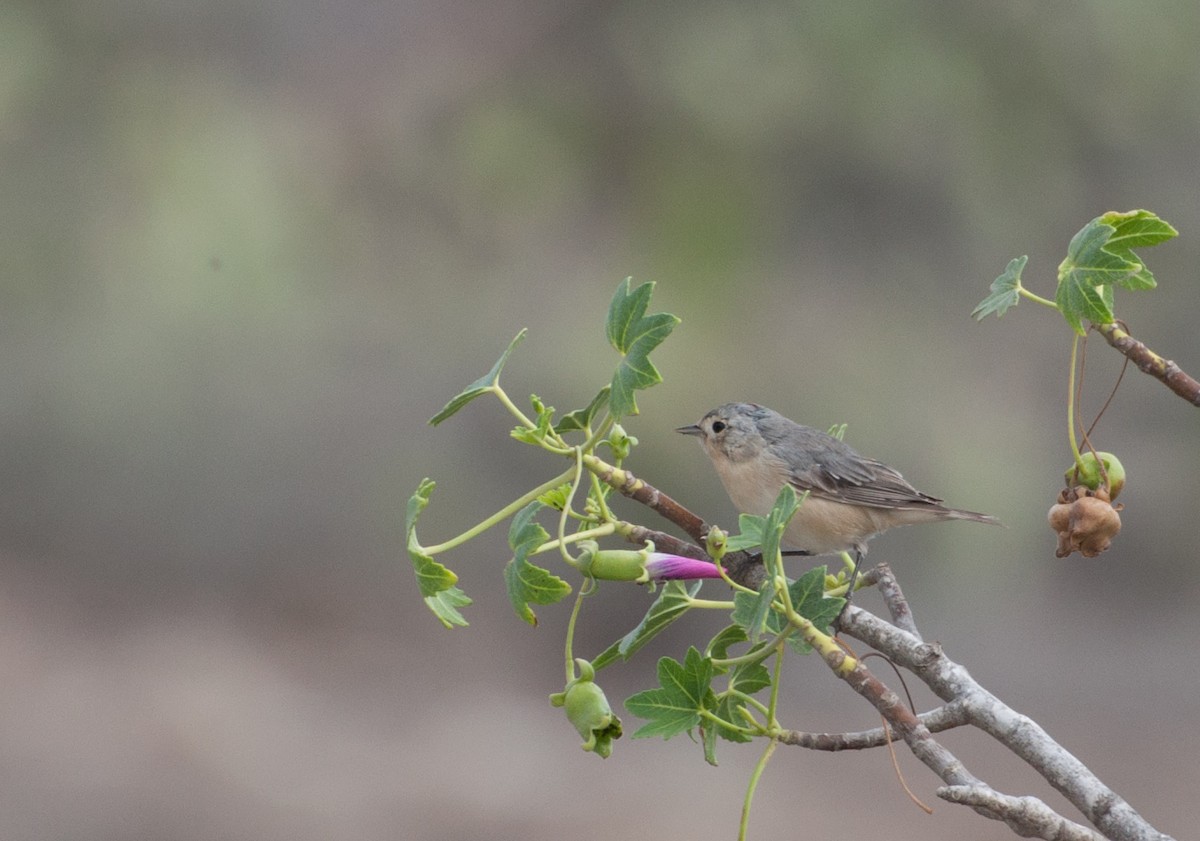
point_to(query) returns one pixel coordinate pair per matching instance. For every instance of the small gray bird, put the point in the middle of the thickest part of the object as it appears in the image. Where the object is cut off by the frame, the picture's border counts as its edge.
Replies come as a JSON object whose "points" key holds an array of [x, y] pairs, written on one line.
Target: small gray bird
{"points": [[851, 499]]}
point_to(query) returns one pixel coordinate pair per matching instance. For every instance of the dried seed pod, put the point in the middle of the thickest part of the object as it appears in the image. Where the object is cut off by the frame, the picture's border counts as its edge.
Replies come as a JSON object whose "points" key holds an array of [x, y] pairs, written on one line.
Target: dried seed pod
{"points": [[1085, 521]]}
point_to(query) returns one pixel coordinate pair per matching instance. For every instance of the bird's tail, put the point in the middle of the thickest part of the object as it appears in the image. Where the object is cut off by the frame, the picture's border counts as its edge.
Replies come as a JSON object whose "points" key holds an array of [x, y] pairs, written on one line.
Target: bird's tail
{"points": [[960, 514]]}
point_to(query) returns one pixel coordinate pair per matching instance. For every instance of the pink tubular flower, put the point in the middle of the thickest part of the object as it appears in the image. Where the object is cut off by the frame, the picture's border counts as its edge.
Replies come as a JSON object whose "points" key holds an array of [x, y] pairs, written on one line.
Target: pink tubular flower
{"points": [[663, 567], [640, 565]]}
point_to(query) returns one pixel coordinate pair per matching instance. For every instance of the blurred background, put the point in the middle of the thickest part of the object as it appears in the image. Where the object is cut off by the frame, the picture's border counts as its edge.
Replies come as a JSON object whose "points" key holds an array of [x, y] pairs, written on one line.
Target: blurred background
{"points": [[247, 250]]}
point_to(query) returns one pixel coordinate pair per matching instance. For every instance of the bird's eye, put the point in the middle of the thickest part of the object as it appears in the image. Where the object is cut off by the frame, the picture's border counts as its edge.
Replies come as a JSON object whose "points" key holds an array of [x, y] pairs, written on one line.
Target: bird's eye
{"points": [[718, 427]]}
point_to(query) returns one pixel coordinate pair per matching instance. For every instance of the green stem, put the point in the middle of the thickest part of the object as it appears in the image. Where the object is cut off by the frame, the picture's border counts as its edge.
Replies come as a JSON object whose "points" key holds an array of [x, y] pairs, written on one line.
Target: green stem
{"points": [[754, 778], [583, 591], [512, 408], [566, 509], [599, 435], [590, 534], [505, 512], [757, 655], [773, 705], [1071, 405], [772, 743], [746, 731], [559, 448], [1037, 299], [753, 702], [710, 604]]}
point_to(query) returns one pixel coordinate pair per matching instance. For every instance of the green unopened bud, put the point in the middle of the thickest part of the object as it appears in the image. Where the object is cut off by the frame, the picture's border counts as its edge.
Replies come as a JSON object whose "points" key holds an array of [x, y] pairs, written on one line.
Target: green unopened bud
{"points": [[621, 442], [715, 542], [639, 565], [1091, 476], [588, 710]]}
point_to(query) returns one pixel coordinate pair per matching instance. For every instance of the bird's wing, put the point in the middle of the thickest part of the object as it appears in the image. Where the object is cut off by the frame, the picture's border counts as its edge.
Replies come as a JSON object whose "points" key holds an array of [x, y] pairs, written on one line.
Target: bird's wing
{"points": [[849, 478]]}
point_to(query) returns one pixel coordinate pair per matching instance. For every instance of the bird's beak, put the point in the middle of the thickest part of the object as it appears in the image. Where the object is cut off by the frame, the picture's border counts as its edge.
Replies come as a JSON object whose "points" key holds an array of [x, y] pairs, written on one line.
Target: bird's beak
{"points": [[693, 429]]}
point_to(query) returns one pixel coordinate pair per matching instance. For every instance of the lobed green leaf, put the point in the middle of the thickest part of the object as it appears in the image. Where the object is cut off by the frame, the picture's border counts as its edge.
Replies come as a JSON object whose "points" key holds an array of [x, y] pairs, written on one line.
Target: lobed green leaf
{"points": [[445, 604], [672, 602], [1100, 256], [750, 678], [484, 385], [786, 506], [809, 600], [751, 528], [581, 419], [527, 582], [634, 335], [435, 581], [684, 691], [1005, 291], [718, 646], [750, 610]]}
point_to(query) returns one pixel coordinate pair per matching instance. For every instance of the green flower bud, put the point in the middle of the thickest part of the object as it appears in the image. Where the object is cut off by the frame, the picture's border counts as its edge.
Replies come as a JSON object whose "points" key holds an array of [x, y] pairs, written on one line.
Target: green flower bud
{"points": [[715, 542], [588, 710], [639, 565], [621, 442]]}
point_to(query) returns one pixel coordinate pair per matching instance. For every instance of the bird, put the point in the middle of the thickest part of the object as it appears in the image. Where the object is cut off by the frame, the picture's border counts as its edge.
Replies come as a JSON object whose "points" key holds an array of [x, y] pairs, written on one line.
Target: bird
{"points": [[851, 498]]}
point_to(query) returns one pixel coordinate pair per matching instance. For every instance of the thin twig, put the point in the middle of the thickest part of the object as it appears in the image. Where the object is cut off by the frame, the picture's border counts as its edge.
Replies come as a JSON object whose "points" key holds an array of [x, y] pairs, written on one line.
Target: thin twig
{"points": [[893, 597], [1149, 362], [745, 568], [943, 718]]}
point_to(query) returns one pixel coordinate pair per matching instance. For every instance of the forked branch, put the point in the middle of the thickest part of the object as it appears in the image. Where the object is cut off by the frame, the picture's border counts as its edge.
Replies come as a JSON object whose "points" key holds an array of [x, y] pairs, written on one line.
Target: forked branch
{"points": [[966, 703]]}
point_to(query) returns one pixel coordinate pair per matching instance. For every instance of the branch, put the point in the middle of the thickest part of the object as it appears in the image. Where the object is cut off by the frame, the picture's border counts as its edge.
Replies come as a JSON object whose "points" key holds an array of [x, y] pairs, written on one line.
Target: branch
{"points": [[1149, 362], [629, 485], [746, 568], [966, 701], [943, 718], [1108, 812], [883, 577], [1026, 816]]}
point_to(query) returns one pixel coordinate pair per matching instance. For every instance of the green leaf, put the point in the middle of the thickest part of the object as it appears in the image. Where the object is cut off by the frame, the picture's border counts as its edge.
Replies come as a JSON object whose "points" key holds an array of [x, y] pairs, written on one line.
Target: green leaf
{"points": [[1005, 291], [1101, 256], [556, 498], [544, 415], [751, 533], [750, 611], [634, 334], [435, 581], [675, 707], [1136, 229], [580, 419], [672, 602], [708, 738], [786, 505], [483, 385], [718, 646], [528, 582], [809, 600], [445, 604], [747, 678], [727, 710], [750, 678]]}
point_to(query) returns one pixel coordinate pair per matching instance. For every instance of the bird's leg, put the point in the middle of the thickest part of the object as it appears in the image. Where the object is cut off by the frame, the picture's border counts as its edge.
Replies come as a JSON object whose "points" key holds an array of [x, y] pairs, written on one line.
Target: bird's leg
{"points": [[858, 556]]}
